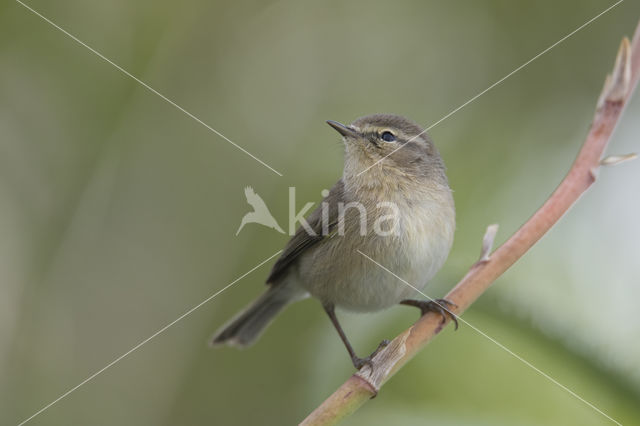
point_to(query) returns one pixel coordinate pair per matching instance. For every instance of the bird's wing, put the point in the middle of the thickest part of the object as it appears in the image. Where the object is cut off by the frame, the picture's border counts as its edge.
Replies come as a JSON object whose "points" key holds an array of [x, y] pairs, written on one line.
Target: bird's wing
{"points": [[302, 241], [254, 199]]}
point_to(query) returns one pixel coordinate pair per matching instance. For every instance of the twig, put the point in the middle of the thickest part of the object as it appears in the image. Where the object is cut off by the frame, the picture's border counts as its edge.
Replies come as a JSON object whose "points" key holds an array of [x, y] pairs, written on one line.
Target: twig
{"points": [[365, 384]]}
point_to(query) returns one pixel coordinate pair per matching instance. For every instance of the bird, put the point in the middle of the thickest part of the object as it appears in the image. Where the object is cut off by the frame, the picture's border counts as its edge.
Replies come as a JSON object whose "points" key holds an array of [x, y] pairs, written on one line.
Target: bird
{"points": [[394, 177], [260, 213]]}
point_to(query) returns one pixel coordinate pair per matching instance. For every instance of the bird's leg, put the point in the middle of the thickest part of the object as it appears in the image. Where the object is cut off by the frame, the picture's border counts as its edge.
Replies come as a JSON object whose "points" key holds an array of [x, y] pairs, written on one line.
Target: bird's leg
{"points": [[439, 306], [358, 363]]}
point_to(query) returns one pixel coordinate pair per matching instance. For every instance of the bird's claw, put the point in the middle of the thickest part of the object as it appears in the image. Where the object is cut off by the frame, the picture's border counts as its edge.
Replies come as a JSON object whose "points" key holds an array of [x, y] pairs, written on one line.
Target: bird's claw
{"points": [[439, 306], [358, 363]]}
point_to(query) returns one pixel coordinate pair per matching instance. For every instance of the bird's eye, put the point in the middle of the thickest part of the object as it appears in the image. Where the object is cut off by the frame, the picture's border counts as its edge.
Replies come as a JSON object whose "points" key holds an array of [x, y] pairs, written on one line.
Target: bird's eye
{"points": [[388, 137]]}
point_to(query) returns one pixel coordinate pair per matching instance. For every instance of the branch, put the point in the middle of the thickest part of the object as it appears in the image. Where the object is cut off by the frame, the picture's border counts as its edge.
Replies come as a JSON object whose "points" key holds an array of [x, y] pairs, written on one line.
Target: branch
{"points": [[366, 383]]}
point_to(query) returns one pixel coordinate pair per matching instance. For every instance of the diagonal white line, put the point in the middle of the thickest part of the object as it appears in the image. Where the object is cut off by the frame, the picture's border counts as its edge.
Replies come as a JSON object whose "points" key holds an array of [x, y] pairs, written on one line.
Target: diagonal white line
{"points": [[136, 347], [500, 345], [497, 82], [146, 86]]}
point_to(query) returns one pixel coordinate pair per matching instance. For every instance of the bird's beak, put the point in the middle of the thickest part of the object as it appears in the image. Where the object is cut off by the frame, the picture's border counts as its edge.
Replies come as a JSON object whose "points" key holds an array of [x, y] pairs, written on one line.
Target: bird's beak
{"points": [[345, 131]]}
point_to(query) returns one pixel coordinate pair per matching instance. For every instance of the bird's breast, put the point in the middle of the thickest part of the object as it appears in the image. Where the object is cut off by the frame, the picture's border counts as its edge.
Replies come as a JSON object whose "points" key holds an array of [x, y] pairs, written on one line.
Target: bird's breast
{"points": [[369, 271]]}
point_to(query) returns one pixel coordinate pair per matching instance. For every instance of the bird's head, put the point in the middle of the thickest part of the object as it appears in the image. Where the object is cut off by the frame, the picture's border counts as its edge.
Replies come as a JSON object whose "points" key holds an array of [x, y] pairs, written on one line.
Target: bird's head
{"points": [[388, 147]]}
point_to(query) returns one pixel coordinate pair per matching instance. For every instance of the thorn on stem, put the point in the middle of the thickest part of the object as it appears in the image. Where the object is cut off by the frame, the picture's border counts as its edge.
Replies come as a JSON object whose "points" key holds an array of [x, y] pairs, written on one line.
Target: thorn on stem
{"points": [[613, 160], [617, 84], [487, 242]]}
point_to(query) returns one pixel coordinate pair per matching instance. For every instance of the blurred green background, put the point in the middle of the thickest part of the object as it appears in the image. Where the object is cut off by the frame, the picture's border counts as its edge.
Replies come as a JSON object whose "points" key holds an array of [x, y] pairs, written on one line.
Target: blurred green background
{"points": [[118, 212]]}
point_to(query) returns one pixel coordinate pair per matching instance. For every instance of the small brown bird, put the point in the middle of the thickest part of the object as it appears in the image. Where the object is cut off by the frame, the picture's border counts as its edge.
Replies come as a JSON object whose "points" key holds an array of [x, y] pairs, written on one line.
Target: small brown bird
{"points": [[393, 204]]}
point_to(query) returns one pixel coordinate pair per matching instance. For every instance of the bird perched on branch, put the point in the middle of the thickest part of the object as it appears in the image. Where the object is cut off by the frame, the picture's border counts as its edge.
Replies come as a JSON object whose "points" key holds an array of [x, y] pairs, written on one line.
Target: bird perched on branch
{"points": [[393, 204]]}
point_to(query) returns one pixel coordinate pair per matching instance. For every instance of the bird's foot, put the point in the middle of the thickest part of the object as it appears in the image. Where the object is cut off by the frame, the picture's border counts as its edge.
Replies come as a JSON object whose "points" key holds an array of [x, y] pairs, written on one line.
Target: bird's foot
{"points": [[439, 306], [358, 363]]}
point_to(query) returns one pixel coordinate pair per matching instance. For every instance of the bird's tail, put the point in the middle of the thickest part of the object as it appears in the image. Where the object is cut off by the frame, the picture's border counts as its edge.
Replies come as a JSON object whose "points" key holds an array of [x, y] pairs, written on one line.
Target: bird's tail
{"points": [[245, 328]]}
